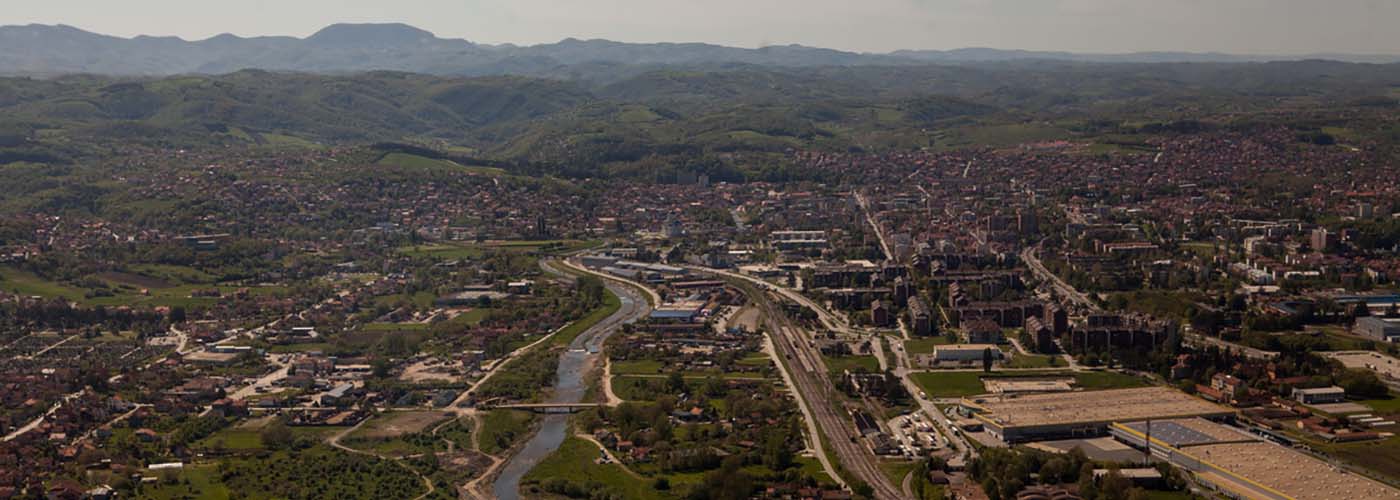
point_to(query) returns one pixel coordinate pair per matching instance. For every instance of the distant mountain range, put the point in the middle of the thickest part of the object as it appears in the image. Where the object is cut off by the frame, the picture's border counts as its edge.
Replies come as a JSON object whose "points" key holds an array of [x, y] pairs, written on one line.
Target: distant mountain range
{"points": [[44, 50]]}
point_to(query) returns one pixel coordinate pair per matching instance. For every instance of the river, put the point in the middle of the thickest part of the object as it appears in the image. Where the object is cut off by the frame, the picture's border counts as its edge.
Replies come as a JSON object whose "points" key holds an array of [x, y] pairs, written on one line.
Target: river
{"points": [[568, 388]]}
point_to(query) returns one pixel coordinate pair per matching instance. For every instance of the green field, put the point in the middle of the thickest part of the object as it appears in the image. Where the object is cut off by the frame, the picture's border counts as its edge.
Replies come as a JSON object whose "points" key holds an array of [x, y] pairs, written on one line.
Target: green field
{"points": [[307, 347], [247, 436], [574, 462], [501, 428], [567, 335], [924, 345], [469, 251], [838, 364], [1157, 303], [1107, 380], [397, 433], [1033, 361], [1386, 406], [23, 282], [287, 141], [1381, 457], [755, 359], [1000, 135], [896, 472], [1201, 248], [421, 162], [443, 251], [950, 384], [636, 367], [233, 438], [198, 482]]}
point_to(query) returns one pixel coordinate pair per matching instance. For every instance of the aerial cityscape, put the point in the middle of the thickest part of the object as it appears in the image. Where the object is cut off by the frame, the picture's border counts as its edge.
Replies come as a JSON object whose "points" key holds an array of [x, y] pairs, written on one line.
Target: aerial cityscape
{"points": [[374, 262]]}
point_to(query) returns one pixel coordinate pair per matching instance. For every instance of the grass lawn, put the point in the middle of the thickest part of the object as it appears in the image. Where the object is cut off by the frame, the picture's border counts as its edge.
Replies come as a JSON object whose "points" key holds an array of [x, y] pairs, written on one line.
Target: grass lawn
{"points": [[287, 141], [422, 162], [423, 299], [472, 317], [1381, 457], [1385, 406], [1107, 380], [233, 438], [203, 485], [634, 388], [181, 274], [756, 359], [394, 327], [567, 335], [950, 384], [23, 282], [897, 470], [247, 436], [924, 345], [444, 251], [1201, 248], [308, 347], [812, 468], [837, 364], [501, 428], [573, 461], [1159, 303], [1000, 134], [1033, 361], [1338, 339], [26, 283], [637, 367]]}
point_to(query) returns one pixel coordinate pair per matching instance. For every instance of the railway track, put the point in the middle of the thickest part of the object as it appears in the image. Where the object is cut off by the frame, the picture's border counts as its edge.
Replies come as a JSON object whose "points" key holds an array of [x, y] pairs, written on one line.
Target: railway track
{"points": [[810, 377]]}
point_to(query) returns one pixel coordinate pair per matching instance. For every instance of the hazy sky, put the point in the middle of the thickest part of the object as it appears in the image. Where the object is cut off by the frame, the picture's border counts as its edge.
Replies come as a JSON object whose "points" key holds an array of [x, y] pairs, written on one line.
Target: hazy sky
{"points": [[1238, 26]]}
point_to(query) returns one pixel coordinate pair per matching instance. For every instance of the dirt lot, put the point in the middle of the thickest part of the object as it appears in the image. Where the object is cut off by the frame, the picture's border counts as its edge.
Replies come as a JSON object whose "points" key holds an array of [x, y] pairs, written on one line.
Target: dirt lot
{"points": [[422, 371], [391, 425], [746, 317]]}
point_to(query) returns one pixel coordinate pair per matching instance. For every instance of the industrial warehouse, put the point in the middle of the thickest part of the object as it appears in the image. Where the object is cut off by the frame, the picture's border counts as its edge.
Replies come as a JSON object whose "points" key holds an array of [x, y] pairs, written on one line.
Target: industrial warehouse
{"points": [[1016, 419], [1239, 465]]}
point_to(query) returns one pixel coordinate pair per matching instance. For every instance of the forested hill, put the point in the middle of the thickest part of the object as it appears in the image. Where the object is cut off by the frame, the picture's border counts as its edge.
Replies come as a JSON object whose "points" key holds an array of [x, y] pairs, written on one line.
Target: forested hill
{"points": [[583, 125], [344, 48]]}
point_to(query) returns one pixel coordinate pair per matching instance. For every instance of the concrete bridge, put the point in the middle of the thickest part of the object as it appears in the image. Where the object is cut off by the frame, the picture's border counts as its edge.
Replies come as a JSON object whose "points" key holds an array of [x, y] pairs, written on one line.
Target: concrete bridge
{"points": [[542, 407]]}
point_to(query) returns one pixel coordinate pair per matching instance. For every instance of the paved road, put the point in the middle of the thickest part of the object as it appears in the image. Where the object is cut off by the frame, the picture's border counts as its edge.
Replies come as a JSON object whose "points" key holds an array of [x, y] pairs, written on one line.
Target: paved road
{"points": [[879, 234], [1065, 290]]}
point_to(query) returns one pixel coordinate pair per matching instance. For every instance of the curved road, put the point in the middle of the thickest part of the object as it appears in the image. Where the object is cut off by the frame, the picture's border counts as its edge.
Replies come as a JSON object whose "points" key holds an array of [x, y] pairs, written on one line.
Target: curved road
{"points": [[569, 387]]}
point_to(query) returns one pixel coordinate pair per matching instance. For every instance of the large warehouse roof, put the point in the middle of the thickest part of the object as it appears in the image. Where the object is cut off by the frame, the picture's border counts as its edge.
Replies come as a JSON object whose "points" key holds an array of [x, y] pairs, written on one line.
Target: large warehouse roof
{"points": [[1094, 407]]}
